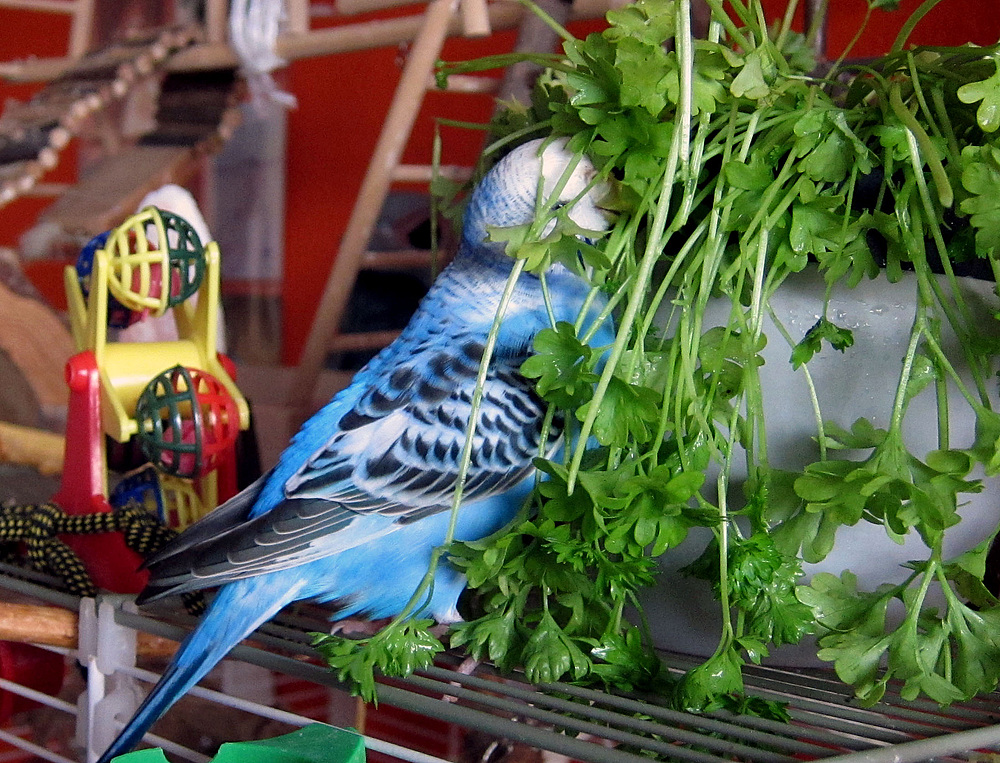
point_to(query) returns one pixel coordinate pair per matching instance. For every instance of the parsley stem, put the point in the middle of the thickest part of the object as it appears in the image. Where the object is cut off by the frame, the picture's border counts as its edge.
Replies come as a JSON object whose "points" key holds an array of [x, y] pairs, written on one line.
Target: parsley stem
{"points": [[465, 460], [937, 96], [765, 209], [810, 385], [550, 22], [918, 92], [949, 369], [850, 46], [426, 586], [547, 299], [930, 284], [628, 233], [786, 23], [654, 242], [755, 439], [692, 241], [719, 14], [941, 395], [757, 299], [685, 101], [945, 193], [741, 10], [668, 393], [723, 534], [517, 136], [606, 312], [899, 405], [722, 485]]}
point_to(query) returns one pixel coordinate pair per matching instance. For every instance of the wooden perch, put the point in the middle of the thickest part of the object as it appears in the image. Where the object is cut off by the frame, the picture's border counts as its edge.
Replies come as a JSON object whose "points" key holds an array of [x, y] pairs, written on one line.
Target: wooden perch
{"points": [[53, 626], [27, 446], [321, 42]]}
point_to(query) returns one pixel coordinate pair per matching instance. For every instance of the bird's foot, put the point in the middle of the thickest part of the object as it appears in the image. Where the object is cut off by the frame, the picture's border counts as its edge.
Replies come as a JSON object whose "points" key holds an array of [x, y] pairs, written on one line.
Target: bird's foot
{"points": [[466, 668], [351, 627]]}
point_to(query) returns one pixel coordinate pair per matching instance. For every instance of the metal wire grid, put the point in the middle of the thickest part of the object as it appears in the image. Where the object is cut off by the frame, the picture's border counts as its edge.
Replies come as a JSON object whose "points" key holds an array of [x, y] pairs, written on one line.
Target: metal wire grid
{"points": [[600, 727], [35, 586]]}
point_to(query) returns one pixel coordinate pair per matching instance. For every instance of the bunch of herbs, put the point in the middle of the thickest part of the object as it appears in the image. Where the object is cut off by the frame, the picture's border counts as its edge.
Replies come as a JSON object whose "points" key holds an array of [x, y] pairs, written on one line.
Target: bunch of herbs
{"points": [[734, 166]]}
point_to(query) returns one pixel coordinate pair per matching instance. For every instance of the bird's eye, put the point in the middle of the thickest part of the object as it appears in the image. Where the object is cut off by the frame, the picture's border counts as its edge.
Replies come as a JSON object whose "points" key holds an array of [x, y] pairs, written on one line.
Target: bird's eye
{"points": [[559, 205]]}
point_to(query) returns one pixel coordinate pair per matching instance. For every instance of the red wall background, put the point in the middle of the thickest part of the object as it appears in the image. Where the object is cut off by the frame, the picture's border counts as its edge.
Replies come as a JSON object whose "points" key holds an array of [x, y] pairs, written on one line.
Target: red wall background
{"points": [[24, 34], [342, 100]]}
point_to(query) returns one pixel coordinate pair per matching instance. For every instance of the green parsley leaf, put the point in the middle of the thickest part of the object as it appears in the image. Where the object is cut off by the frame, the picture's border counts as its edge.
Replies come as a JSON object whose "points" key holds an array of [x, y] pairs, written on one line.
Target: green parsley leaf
{"points": [[650, 21], [718, 676], [838, 337], [987, 94], [550, 654], [643, 69], [562, 366], [398, 650], [981, 178], [628, 411], [754, 79]]}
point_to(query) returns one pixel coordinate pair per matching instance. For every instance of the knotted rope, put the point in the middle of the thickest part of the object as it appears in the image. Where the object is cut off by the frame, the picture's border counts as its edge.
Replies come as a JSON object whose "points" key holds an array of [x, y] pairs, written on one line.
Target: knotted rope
{"points": [[38, 526]]}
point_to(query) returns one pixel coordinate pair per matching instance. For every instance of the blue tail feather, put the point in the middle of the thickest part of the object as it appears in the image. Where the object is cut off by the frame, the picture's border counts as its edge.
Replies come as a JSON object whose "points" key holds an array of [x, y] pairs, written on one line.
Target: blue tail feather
{"points": [[189, 667], [176, 680], [235, 614]]}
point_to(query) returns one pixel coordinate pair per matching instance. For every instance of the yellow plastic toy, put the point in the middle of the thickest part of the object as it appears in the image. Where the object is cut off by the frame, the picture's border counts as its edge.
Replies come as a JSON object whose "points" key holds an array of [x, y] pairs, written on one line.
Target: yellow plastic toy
{"points": [[135, 278], [189, 407]]}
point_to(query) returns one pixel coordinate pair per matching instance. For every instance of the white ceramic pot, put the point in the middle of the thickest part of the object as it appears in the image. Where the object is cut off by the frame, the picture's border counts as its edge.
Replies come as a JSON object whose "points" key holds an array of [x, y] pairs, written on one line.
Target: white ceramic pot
{"points": [[859, 382]]}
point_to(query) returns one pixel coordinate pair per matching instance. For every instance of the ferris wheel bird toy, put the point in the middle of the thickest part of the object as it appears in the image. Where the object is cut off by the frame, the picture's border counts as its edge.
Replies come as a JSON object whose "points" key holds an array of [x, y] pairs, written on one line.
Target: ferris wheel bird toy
{"points": [[176, 400]]}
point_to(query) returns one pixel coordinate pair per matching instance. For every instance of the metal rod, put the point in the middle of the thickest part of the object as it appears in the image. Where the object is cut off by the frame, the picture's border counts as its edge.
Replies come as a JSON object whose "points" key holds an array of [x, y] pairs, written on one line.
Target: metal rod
{"points": [[40, 697], [292, 719], [903, 720], [823, 716], [33, 748], [595, 729], [924, 749], [408, 700], [711, 723], [12, 578]]}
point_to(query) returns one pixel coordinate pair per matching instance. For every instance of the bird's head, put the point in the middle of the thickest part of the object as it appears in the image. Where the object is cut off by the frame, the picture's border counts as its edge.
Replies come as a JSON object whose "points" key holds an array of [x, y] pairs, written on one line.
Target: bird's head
{"points": [[507, 195]]}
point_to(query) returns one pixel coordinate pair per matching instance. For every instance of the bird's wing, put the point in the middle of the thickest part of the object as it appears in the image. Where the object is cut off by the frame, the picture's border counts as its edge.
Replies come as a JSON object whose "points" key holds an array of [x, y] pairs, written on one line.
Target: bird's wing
{"points": [[392, 459], [397, 450]]}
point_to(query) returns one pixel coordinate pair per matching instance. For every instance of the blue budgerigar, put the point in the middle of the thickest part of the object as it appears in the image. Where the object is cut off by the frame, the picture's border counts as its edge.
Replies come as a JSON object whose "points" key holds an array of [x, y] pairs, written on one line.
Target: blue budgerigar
{"points": [[360, 499]]}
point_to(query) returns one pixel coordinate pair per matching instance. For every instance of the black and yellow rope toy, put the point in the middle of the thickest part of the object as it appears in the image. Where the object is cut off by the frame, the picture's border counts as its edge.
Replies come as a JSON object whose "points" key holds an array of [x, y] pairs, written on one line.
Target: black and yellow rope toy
{"points": [[38, 527]]}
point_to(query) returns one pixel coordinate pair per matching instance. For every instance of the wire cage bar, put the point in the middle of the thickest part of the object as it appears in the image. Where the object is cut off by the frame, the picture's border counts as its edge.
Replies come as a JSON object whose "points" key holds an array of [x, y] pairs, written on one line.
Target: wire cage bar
{"points": [[580, 723]]}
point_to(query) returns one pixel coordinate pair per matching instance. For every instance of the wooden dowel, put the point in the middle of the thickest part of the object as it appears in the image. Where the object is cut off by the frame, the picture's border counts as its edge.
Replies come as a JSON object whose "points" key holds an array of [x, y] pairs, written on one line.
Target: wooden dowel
{"points": [[34, 69], [80, 30], [215, 21], [298, 16], [35, 624], [53, 626], [363, 340], [424, 173], [398, 259], [320, 42], [475, 18], [46, 6], [378, 34], [354, 7], [31, 447]]}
